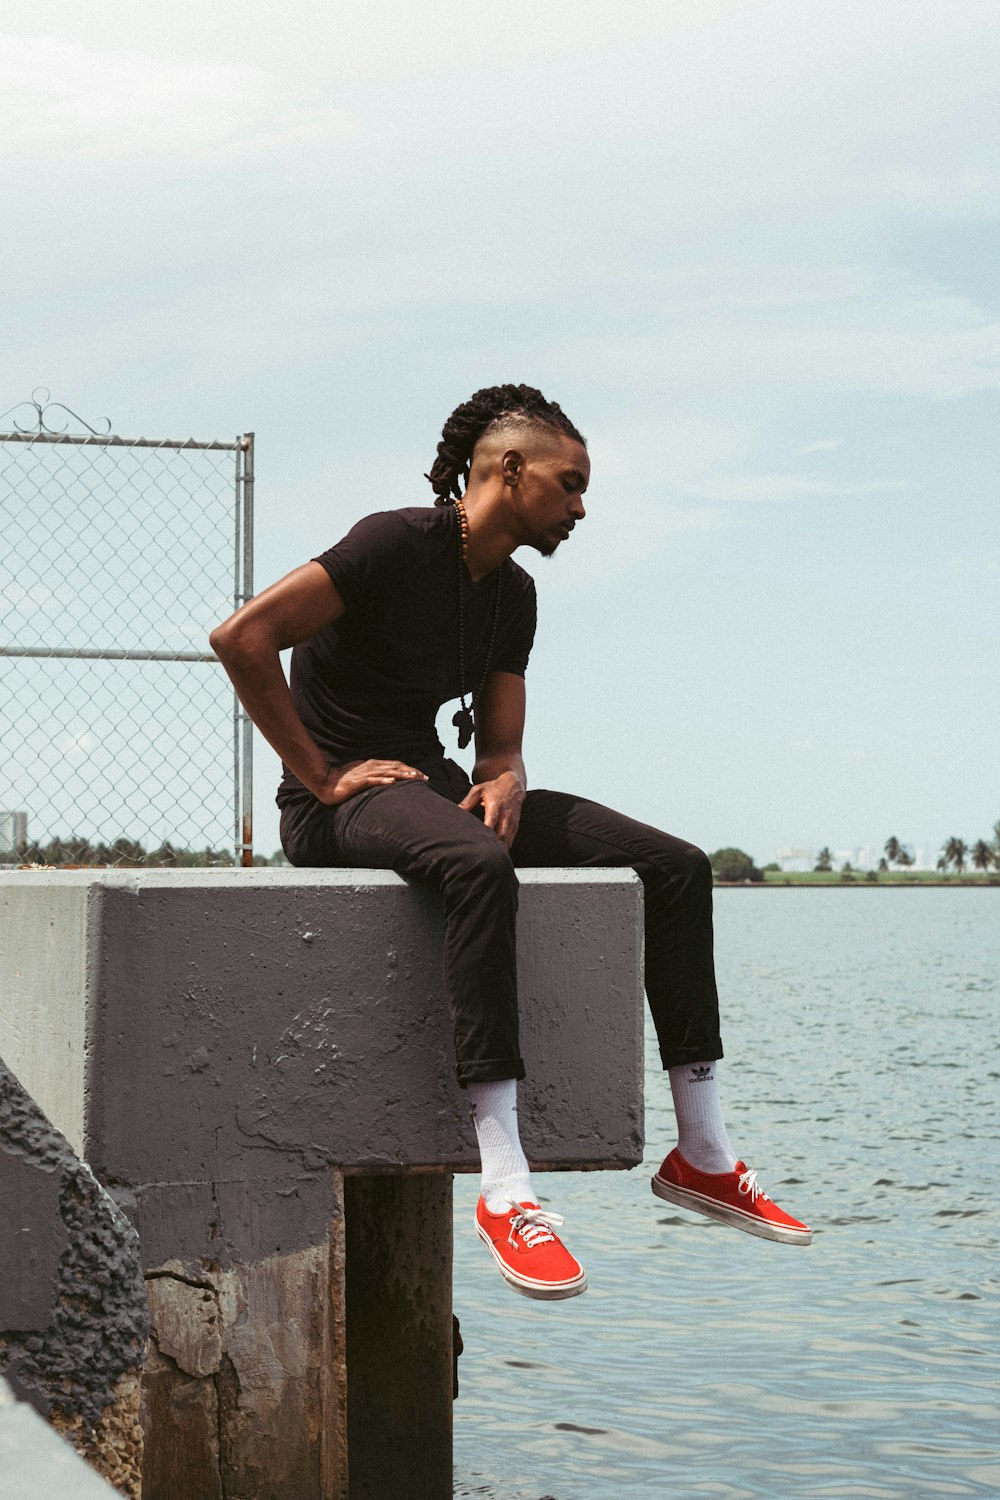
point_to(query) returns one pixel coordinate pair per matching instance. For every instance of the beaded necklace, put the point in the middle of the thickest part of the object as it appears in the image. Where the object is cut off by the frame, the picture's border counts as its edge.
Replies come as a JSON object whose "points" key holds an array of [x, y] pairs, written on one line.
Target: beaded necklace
{"points": [[464, 720]]}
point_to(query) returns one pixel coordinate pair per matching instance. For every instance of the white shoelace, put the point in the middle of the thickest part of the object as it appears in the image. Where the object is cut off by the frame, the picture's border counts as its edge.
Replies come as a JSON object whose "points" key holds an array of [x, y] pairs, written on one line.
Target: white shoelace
{"points": [[534, 1225], [748, 1184]]}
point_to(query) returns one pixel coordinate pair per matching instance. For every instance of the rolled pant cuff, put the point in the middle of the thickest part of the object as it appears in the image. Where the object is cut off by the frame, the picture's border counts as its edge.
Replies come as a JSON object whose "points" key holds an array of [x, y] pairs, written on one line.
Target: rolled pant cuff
{"points": [[709, 1051], [490, 1070]]}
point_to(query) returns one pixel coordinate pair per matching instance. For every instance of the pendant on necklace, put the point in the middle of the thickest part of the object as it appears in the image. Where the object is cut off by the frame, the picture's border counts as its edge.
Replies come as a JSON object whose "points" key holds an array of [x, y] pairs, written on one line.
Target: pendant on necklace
{"points": [[464, 723]]}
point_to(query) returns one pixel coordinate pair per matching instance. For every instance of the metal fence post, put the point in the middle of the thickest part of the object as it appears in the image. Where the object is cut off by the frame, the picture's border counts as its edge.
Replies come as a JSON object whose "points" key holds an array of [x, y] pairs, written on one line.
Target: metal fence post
{"points": [[112, 568], [246, 798]]}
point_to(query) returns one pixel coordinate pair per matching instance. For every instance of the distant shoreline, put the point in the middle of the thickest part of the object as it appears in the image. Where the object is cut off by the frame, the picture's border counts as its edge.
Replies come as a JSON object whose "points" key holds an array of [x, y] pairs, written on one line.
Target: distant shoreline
{"points": [[803, 882]]}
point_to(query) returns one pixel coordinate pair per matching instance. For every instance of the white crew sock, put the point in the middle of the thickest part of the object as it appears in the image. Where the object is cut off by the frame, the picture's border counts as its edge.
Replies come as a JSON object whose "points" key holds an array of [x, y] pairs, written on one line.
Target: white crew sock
{"points": [[506, 1177], [701, 1131]]}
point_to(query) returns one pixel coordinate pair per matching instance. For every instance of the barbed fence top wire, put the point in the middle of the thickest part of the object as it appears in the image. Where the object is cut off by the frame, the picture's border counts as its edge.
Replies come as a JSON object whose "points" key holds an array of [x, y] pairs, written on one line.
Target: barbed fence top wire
{"points": [[122, 740]]}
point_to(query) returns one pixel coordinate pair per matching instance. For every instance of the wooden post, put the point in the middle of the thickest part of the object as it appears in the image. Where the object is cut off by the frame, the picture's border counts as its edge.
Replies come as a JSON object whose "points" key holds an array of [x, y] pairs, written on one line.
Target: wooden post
{"points": [[399, 1335]]}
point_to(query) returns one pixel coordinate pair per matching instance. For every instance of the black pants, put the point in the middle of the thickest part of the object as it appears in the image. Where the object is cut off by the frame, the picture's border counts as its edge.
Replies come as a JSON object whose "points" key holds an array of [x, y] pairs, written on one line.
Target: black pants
{"points": [[416, 829]]}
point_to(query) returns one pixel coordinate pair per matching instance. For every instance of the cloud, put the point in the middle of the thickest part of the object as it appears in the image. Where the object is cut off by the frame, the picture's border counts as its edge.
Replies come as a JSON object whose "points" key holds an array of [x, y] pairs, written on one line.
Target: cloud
{"points": [[822, 445], [788, 332], [69, 98], [730, 488], [973, 565], [77, 744], [964, 193]]}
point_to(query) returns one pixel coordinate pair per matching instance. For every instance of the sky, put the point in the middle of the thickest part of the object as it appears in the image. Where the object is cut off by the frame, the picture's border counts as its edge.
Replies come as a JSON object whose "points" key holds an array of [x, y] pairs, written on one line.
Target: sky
{"points": [[751, 248]]}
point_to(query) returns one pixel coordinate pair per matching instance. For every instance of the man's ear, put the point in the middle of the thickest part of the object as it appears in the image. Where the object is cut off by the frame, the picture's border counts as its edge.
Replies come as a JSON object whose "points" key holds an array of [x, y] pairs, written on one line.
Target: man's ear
{"points": [[511, 465]]}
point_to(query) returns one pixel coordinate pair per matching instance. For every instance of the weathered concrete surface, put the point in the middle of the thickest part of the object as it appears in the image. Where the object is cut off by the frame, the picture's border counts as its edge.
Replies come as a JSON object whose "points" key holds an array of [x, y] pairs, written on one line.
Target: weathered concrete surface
{"points": [[400, 1335], [35, 1464], [43, 993], [245, 1036], [73, 1315], [33, 1238], [275, 1023]]}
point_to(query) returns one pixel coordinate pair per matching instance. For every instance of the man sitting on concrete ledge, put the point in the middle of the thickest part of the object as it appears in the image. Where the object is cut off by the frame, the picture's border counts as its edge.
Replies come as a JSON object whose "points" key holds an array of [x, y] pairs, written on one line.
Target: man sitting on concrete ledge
{"points": [[418, 606]]}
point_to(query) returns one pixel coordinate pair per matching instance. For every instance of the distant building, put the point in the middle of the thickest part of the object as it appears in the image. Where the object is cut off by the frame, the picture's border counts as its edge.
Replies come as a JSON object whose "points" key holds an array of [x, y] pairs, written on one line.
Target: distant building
{"points": [[13, 834], [800, 860], [861, 857], [795, 861]]}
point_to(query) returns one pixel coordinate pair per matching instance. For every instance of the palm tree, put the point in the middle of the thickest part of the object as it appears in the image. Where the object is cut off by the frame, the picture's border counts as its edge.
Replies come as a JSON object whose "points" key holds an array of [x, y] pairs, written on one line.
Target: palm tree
{"points": [[127, 852], [954, 853], [892, 848], [982, 855], [72, 851]]}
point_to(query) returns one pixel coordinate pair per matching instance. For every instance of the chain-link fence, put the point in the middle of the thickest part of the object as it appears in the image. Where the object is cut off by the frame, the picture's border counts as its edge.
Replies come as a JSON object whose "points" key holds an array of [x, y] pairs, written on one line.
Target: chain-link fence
{"points": [[122, 740]]}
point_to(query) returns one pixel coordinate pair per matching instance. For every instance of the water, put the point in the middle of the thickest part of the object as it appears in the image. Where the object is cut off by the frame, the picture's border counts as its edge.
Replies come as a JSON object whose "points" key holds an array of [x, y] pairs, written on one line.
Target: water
{"points": [[863, 1080]]}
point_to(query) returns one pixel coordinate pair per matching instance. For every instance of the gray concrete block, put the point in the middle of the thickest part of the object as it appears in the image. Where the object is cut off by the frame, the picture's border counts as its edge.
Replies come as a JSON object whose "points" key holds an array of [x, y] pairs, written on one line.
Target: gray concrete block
{"points": [[223, 1046], [33, 1239], [271, 1023], [43, 990]]}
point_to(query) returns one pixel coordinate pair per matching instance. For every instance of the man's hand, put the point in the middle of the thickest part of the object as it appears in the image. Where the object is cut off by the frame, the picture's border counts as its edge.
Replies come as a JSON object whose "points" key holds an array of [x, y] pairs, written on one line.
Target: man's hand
{"points": [[357, 776], [501, 801]]}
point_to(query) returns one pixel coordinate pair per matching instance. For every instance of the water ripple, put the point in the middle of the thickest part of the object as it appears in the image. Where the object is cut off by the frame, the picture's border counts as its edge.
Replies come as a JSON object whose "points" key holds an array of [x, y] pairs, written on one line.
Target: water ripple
{"points": [[702, 1362]]}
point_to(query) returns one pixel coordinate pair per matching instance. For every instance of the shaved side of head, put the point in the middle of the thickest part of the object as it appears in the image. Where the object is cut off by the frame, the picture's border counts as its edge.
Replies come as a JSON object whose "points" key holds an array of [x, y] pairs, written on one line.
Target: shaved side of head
{"points": [[531, 438]]}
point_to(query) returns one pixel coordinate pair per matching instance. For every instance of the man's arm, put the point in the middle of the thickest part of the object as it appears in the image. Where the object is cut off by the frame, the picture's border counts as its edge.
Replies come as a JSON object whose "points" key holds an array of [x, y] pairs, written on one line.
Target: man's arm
{"points": [[248, 643], [499, 778]]}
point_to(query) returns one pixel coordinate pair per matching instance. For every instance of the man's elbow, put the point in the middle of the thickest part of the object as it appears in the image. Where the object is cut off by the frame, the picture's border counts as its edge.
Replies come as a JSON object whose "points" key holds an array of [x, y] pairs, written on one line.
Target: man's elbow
{"points": [[230, 639], [219, 638]]}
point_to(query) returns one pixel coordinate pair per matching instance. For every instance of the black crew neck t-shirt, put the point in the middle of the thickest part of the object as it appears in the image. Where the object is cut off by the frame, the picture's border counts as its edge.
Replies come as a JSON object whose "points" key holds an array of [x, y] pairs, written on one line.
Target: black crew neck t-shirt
{"points": [[369, 686]]}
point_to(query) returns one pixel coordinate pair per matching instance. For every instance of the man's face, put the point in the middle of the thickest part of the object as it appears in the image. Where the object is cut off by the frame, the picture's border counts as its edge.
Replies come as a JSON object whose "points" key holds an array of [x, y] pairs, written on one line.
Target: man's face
{"points": [[549, 495]]}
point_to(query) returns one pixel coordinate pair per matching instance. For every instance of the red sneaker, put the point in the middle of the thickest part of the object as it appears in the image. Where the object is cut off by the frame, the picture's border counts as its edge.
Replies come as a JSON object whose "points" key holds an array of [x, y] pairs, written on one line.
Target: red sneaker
{"points": [[733, 1197], [529, 1253]]}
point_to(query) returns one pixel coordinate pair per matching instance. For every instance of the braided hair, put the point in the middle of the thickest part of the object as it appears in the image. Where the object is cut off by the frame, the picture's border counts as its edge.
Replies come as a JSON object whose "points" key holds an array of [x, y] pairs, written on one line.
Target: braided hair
{"points": [[449, 475]]}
